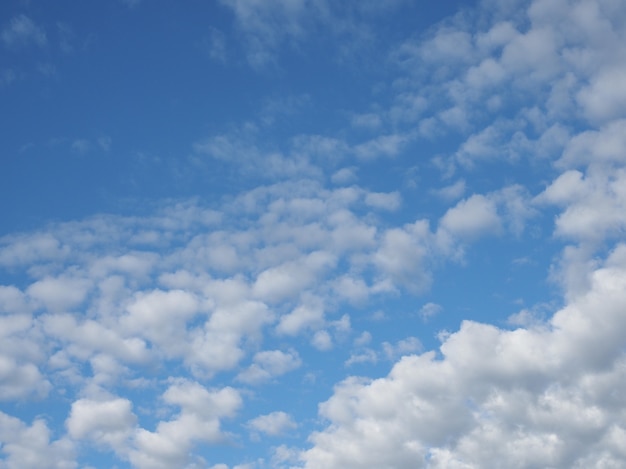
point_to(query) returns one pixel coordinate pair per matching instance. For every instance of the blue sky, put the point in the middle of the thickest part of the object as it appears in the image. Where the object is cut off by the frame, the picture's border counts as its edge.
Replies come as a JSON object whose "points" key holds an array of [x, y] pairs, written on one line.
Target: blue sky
{"points": [[288, 234]]}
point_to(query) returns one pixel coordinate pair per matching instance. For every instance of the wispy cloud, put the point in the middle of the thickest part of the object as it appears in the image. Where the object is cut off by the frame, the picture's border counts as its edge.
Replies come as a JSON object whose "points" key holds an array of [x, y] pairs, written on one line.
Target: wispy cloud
{"points": [[22, 31]]}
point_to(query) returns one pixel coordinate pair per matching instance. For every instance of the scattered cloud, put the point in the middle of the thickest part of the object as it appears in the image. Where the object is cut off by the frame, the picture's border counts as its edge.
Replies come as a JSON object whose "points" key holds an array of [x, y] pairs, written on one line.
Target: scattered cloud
{"points": [[268, 365], [429, 310], [22, 31], [273, 424], [184, 326]]}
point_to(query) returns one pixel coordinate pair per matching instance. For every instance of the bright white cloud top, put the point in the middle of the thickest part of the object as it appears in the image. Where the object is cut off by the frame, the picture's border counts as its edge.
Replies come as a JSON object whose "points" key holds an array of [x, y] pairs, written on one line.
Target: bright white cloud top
{"points": [[313, 235]]}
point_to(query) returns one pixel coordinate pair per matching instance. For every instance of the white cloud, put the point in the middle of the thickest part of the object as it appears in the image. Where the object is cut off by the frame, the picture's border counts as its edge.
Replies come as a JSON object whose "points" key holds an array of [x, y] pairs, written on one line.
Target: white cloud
{"points": [[605, 98], [20, 380], [352, 288], [269, 27], [451, 192], [12, 300], [106, 422], [101, 305], [402, 347], [513, 398], [268, 365], [429, 310], [161, 317], [472, 217], [309, 314], [322, 340], [29, 249], [595, 203], [198, 421], [217, 346], [278, 283], [403, 255], [267, 24], [59, 294], [245, 147], [89, 337], [603, 146], [30, 447], [384, 200], [363, 339], [364, 356], [344, 176], [273, 424]]}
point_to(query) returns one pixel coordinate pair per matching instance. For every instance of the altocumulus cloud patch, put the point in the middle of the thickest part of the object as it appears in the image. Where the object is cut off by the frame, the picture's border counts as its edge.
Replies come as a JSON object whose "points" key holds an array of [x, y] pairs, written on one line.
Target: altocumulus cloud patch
{"points": [[333, 245]]}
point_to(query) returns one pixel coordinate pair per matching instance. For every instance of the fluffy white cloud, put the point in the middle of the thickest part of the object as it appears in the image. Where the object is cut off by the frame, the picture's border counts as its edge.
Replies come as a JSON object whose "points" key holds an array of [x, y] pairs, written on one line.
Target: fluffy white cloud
{"points": [[89, 337], [595, 203], [270, 364], [605, 98], [514, 398], [19, 380], [272, 424], [322, 340], [192, 291], [308, 314], [161, 317], [472, 217], [30, 447], [31, 249], [107, 422], [12, 300], [403, 255], [199, 421], [287, 280], [59, 294]]}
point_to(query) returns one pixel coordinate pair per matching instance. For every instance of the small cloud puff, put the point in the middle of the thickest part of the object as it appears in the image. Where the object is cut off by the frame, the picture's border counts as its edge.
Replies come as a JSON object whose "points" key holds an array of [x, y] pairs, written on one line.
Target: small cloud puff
{"points": [[273, 424]]}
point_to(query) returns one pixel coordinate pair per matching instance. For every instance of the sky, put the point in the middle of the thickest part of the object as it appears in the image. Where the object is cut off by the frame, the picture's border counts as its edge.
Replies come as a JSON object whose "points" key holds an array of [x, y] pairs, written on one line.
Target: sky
{"points": [[306, 234]]}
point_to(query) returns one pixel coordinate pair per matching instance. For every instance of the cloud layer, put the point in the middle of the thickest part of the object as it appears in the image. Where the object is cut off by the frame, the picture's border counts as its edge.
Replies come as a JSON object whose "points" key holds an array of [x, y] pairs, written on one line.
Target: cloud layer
{"points": [[288, 323]]}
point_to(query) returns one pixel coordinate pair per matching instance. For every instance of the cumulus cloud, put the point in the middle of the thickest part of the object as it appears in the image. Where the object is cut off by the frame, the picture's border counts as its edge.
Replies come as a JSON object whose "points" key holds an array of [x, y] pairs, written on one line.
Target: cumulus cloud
{"points": [[403, 255], [19, 380], [270, 364], [59, 294], [273, 424], [94, 309], [106, 422], [522, 397], [198, 421], [31, 447], [472, 217]]}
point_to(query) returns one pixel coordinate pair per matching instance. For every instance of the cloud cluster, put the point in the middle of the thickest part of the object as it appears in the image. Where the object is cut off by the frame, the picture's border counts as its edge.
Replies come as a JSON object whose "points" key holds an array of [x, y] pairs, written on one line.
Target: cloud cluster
{"points": [[542, 395], [203, 306], [530, 397], [197, 288]]}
